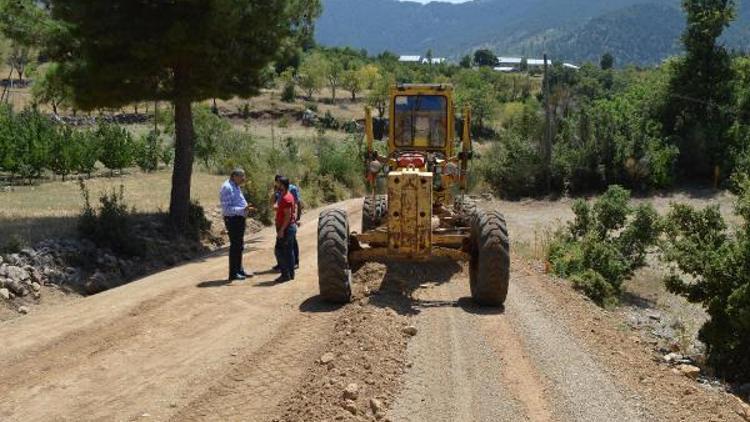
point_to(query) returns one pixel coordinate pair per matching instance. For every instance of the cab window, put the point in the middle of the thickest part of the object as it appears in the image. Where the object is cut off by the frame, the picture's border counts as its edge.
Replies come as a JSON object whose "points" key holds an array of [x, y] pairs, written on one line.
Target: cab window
{"points": [[421, 121]]}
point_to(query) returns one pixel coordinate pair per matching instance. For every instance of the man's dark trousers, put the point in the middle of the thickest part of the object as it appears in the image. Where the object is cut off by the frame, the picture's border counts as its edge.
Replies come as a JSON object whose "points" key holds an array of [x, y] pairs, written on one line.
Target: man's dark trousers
{"points": [[285, 251], [236, 229]]}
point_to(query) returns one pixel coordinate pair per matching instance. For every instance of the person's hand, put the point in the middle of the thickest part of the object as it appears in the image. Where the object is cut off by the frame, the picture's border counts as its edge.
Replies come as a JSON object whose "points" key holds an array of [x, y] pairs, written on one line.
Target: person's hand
{"points": [[280, 234], [249, 208]]}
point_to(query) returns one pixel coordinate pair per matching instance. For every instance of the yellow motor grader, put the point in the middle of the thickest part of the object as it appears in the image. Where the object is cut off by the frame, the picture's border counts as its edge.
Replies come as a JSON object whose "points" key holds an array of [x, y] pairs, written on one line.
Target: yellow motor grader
{"points": [[425, 213]]}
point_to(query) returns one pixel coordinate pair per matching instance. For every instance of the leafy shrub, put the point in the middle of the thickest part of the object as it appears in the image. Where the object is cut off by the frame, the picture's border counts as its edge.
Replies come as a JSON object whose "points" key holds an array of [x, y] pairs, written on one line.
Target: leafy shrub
{"points": [[595, 286], [512, 167], [210, 130], [287, 94], [13, 244], [167, 156], [328, 121], [116, 146], [148, 152], [711, 266], [198, 224], [63, 153], [340, 161], [28, 143], [111, 225], [604, 244], [87, 151]]}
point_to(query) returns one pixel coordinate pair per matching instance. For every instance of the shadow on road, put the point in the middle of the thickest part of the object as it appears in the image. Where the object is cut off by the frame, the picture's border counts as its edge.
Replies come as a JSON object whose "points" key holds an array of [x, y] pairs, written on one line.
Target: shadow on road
{"points": [[402, 279], [468, 305], [213, 283], [316, 304]]}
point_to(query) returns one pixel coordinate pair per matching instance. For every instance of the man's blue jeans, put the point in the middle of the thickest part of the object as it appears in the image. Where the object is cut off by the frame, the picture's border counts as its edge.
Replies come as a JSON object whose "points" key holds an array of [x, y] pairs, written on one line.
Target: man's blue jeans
{"points": [[285, 251]]}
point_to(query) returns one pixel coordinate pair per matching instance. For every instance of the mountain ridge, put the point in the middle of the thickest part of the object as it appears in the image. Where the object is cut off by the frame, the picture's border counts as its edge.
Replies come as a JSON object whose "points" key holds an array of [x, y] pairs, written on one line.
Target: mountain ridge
{"points": [[641, 32]]}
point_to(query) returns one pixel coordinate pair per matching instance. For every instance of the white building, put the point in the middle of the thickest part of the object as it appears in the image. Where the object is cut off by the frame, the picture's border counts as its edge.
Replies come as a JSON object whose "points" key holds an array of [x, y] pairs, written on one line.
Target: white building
{"points": [[513, 64], [409, 59], [421, 59], [435, 60]]}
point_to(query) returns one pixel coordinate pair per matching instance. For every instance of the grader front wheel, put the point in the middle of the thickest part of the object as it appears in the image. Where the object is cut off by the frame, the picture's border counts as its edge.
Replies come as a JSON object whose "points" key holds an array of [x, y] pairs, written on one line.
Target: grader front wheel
{"points": [[489, 268], [334, 274]]}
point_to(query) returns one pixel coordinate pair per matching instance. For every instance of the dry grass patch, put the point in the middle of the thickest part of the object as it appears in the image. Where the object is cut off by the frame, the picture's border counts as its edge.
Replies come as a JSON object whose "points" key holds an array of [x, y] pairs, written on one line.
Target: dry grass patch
{"points": [[33, 213]]}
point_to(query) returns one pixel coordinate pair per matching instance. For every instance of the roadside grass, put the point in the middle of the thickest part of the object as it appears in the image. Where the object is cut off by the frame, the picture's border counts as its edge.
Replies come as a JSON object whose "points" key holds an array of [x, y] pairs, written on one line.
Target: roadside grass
{"points": [[32, 213]]}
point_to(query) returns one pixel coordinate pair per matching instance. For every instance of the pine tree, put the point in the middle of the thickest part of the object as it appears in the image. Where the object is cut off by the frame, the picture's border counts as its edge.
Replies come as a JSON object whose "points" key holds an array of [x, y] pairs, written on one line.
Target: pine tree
{"points": [[118, 52]]}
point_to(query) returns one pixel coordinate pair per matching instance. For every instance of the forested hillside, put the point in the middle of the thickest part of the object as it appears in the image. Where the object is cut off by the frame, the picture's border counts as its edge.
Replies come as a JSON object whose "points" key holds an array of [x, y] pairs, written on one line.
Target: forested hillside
{"points": [[636, 31]]}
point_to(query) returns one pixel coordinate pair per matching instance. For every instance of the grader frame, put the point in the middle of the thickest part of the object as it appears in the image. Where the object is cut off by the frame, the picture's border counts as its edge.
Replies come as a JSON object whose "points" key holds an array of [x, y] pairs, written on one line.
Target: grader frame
{"points": [[425, 213]]}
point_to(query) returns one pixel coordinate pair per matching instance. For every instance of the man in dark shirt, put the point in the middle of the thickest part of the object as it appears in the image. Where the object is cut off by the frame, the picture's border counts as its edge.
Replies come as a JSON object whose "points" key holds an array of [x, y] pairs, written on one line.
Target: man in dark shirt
{"points": [[286, 231], [295, 191]]}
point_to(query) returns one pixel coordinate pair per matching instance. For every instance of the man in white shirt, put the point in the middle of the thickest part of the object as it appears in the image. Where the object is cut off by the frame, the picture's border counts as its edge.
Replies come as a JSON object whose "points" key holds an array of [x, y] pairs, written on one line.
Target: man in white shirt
{"points": [[235, 209]]}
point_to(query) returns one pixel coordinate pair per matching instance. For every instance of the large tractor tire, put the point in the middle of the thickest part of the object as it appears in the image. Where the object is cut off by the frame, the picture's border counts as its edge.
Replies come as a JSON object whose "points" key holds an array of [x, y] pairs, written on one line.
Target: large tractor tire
{"points": [[489, 268], [465, 209], [334, 274], [373, 212]]}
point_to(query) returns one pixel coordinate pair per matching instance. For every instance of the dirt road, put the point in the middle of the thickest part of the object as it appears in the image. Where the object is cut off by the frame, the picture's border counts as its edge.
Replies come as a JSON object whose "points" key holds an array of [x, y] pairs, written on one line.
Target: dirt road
{"points": [[184, 345]]}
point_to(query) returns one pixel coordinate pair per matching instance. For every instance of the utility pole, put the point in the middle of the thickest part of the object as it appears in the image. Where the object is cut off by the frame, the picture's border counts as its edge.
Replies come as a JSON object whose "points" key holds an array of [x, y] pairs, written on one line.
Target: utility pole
{"points": [[546, 147]]}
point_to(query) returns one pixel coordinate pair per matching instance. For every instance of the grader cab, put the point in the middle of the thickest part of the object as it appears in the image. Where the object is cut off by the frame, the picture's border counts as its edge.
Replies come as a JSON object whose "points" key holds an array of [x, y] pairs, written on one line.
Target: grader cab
{"points": [[425, 213]]}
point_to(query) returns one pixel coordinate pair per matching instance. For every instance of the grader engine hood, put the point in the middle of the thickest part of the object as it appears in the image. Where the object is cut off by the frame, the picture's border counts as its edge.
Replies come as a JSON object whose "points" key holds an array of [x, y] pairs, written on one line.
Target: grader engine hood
{"points": [[410, 213]]}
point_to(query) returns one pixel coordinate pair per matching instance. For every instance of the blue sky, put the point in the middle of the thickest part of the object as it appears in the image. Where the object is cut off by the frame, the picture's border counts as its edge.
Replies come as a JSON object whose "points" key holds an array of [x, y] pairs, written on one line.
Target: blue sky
{"points": [[447, 1]]}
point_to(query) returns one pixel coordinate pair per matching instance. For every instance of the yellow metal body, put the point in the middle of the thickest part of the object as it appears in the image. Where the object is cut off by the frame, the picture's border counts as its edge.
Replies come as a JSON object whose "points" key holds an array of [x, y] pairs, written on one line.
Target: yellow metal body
{"points": [[410, 212], [420, 199]]}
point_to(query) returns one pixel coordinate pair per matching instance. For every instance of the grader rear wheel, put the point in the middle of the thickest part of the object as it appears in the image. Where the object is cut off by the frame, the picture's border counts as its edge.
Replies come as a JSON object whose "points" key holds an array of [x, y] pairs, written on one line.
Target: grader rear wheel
{"points": [[334, 274], [373, 211], [465, 209], [489, 268]]}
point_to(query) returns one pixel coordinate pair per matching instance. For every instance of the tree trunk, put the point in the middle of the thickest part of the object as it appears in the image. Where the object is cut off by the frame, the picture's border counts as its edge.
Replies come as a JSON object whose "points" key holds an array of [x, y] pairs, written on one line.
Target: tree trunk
{"points": [[183, 163]]}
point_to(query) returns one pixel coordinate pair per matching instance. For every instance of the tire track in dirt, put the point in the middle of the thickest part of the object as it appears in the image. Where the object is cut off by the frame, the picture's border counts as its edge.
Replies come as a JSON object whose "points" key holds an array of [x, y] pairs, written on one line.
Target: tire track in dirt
{"points": [[59, 354], [455, 373], [518, 370], [578, 387], [256, 382]]}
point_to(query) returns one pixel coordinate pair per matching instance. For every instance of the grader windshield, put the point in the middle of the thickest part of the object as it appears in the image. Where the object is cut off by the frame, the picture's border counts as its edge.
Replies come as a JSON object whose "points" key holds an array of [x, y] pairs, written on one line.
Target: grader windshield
{"points": [[420, 121]]}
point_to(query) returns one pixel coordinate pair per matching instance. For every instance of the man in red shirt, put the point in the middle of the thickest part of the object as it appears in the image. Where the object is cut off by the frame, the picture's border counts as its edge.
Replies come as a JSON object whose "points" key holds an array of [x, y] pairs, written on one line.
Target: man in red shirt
{"points": [[286, 231]]}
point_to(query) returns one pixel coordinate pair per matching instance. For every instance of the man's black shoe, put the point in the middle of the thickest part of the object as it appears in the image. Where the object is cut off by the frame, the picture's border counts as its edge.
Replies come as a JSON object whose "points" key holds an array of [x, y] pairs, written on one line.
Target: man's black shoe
{"points": [[246, 274], [282, 279], [237, 277]]}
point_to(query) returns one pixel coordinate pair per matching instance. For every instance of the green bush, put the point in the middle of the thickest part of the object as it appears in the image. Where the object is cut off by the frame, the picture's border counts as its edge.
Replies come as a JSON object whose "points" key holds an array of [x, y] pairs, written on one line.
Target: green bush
{"points": [[110, 226], [287, 94], [148, 152], [711, 266], [167, 155], [604, 244], [87, 151], [63, 153], [210, 130], [116, 146], [198, 224], [595, 286], [328, 122], [340, 160], [30, 137], [512, 167]]}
